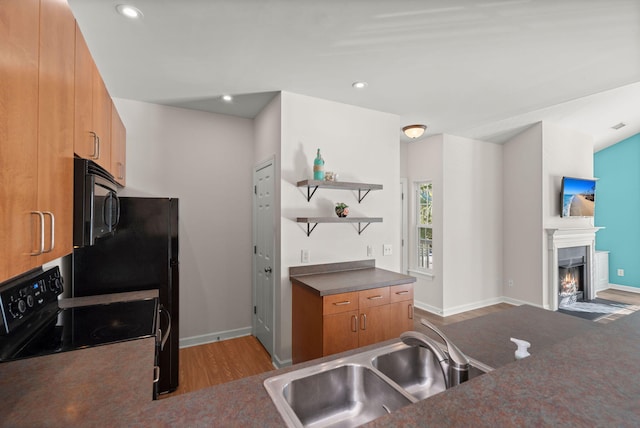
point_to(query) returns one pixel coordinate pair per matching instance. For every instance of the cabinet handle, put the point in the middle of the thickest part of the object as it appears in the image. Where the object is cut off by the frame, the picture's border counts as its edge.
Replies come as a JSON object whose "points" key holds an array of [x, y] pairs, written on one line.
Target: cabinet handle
{"points": [[121, 171], [96, 150], [401, 293], [354, 323], [41, 215], [345, 302], [98, 139], [52, 233], [410, 309], [156, 374], [363, 325], [379, 296]]}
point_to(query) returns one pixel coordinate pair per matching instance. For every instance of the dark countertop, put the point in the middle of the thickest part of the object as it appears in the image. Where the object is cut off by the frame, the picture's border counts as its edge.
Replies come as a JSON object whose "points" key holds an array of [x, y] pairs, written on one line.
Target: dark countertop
{"points": [[336, 278], [580, 373]]}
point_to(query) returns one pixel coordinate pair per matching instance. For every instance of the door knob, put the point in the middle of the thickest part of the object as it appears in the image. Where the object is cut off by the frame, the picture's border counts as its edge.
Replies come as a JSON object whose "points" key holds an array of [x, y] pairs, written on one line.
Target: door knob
{"points": [[267, 269]]}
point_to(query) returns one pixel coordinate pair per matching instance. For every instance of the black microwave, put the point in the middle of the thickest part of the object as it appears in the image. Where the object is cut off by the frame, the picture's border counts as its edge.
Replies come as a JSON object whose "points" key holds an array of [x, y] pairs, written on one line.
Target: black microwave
{"points": [[96, 208]]}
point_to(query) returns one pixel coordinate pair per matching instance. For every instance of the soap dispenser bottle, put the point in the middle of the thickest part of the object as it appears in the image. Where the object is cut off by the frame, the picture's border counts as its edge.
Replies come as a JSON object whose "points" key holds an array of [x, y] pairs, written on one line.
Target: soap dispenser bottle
{"points": [[523, 345]]}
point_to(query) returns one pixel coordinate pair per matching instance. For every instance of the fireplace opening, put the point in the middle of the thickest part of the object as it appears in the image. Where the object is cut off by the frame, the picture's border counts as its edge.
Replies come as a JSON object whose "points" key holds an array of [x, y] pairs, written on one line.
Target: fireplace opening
{"points": [[572, 263]]}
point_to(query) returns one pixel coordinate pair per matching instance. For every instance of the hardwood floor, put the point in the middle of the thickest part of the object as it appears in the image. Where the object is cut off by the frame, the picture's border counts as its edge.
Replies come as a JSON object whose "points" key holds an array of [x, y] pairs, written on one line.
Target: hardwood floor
{"points": [[214, 363], [219, 362]]}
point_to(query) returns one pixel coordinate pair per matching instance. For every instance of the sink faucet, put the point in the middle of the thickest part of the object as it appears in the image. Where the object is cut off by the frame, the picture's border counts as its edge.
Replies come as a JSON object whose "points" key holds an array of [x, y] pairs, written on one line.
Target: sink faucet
{"points": [[454, 363]]}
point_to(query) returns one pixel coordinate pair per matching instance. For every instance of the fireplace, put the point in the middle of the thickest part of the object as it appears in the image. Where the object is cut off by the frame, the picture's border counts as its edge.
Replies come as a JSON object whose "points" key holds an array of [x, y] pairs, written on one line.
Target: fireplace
{"points": [[570, 270], [572, 278]]}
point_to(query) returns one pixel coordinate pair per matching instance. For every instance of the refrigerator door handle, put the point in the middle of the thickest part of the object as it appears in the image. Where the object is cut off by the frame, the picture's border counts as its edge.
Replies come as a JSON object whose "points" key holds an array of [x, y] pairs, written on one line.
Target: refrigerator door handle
{"points": [[166, 335]]}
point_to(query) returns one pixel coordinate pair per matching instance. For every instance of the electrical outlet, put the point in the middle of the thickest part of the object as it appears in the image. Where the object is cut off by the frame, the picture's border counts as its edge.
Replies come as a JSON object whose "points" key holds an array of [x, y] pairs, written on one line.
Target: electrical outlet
{"points": [[304, 256], [369, 250], [620, 272], [386, 250], [510, 282]]}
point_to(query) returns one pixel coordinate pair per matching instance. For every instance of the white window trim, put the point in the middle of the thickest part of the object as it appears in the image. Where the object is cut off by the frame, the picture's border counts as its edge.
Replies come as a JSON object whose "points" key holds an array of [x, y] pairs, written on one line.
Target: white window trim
{"points": [[427, 272]]}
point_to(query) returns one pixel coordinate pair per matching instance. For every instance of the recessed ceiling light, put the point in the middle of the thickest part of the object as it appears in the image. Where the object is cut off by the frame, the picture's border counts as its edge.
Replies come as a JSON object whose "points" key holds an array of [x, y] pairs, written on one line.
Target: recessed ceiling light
{"points": [[618, 126], [129, 11], [359, 85], [227, 98]]}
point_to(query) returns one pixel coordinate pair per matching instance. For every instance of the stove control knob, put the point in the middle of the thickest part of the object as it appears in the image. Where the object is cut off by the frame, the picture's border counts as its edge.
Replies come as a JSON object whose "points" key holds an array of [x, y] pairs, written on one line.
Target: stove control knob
{"points": [[30, 301], [22, 306]]}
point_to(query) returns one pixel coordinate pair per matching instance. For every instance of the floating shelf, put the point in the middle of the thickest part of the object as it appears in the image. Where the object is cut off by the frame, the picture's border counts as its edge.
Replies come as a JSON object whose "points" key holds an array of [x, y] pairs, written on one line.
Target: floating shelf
{"points": [[315, 220], [343, 185]]}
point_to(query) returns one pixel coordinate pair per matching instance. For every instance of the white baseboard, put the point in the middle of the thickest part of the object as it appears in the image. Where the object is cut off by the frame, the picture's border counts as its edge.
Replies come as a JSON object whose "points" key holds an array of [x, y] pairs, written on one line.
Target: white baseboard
{"points": [[278, 363], [214, 337], [477, 305], [624, 288]]}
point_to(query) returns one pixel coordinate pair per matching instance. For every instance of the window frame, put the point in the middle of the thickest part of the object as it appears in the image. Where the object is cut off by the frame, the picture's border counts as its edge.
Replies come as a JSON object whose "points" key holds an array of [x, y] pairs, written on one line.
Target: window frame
{"points": [[423, 264]]}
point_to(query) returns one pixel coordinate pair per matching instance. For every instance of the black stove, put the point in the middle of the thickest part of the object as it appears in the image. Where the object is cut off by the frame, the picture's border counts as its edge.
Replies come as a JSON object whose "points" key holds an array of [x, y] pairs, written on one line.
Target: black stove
{"points": [[34, 325]]}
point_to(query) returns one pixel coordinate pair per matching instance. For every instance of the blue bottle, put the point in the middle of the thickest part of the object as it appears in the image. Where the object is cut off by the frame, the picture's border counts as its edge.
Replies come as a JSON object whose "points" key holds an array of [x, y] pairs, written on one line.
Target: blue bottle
{"points": [[318, 167]]}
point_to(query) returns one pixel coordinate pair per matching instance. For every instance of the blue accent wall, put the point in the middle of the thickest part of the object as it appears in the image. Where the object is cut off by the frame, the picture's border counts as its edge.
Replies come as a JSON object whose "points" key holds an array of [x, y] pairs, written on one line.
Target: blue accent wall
{"points": [[618, 208]]}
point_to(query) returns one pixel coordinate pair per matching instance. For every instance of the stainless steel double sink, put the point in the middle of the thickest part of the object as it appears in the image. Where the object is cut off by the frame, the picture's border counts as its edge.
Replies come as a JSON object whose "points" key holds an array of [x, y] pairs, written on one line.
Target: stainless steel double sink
{"points": [[353, 390]]}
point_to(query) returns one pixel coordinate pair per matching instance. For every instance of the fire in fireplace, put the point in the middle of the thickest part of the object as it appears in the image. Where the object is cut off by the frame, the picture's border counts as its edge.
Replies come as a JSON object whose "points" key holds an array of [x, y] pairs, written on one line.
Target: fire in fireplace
{"points": [[572, 263]]}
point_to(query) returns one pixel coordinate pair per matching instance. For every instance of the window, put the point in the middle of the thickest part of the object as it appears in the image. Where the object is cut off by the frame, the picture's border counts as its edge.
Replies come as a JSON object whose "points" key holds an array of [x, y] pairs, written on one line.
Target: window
{"points": [[424, 225]]}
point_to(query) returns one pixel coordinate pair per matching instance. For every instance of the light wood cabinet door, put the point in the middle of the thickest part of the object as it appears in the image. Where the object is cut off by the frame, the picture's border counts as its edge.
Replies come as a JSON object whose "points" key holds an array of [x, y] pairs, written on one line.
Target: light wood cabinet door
{"points": [[84, 140], [102, 119], [92, 130], [55, 127], [18, 135], [339, 332], [374, 325], [118, 148], [401, 318]]}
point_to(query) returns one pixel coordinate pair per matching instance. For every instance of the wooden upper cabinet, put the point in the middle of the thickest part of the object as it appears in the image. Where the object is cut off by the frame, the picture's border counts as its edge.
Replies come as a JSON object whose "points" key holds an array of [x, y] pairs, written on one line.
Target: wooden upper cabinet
{"points": [[92, 133], [18, 135], [118, 148], [55, 127]]}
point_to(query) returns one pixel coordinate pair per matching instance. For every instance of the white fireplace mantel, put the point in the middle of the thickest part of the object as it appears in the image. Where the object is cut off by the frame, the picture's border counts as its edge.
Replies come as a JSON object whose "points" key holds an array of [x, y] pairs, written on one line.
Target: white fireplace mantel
{"points": [[567, 238]]}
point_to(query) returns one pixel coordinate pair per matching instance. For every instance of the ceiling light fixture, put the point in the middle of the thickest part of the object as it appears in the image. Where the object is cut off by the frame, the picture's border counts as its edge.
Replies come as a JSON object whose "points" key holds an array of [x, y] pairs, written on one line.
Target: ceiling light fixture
{"points": [[414, 131], [129, 11], [359, 85], [618, 126], [227, 98]]}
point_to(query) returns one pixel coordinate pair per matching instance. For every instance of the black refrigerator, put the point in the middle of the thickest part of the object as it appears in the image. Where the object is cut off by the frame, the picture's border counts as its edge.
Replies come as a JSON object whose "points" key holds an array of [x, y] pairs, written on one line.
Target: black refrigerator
{"points": [[142, 254]]}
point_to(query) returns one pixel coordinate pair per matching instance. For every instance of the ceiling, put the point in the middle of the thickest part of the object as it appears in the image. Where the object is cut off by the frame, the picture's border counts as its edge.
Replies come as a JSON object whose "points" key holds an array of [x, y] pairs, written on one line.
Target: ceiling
{"points": [[479, 69]]}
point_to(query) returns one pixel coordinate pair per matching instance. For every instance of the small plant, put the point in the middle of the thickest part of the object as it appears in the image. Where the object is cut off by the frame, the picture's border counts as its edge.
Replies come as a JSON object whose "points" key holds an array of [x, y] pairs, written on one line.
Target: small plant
{"points": [[342, 209]]}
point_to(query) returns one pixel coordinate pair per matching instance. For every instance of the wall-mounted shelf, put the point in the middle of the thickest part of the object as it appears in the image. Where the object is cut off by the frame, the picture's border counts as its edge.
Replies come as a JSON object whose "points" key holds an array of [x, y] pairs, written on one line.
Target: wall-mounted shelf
{"points": [[360, 220], [343, 185]]}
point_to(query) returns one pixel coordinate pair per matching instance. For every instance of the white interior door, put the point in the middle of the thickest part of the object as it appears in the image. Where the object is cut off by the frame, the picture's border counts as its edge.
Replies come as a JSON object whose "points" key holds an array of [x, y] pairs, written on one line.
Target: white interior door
{"points": [[264, 264]]}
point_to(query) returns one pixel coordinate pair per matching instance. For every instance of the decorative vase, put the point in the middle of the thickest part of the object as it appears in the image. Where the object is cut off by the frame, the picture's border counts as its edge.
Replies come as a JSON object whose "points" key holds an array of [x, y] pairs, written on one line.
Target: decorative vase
{"points": [[342, 209], [318, 167]]}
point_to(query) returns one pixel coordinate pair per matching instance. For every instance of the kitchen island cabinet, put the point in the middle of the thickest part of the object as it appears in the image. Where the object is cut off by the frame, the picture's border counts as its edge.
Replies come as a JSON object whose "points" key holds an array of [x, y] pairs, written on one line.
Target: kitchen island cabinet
{"points": [[341, 306], [569, 380]]}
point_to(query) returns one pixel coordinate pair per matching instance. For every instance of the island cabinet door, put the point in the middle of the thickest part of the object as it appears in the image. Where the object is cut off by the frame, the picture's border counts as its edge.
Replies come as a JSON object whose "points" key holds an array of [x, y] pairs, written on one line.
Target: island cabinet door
{"points": [[401, 315], [339, 332], [401, 309], [375, 325]]}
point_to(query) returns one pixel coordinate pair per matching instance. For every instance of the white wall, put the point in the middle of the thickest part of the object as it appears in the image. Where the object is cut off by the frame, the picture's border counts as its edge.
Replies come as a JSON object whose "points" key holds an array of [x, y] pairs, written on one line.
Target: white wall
{"points": [[360, 145], [268, 137], [206, 160], [424, 160], [534, 163], [472, 229], [522, 192], [467, 228]]}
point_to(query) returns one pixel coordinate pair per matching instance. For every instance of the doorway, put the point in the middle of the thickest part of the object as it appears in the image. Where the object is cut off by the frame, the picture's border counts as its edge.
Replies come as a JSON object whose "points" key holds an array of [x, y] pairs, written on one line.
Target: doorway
{"points": [[264, 265]]}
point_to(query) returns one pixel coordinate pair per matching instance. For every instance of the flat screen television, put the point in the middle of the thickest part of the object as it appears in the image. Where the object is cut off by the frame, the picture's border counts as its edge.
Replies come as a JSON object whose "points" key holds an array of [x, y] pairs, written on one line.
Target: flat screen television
{"points": [[578, 197]]}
